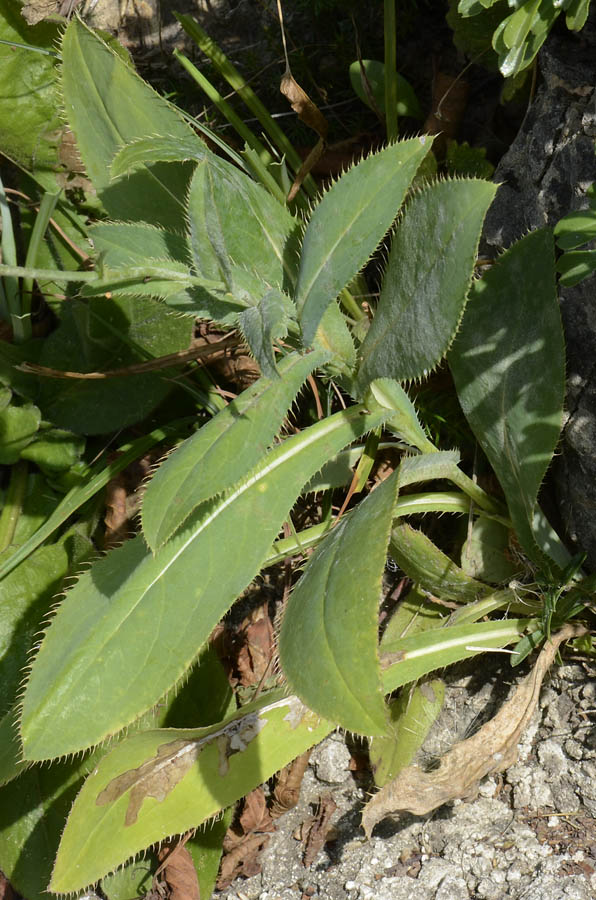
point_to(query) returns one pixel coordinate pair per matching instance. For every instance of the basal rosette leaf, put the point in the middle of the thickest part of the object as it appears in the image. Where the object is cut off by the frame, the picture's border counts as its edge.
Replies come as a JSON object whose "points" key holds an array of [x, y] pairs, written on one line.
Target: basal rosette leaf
{"points": [[131, 626], [235, 222], [511, 336], [221, 452], [328, 640], [426, 282], [165, 782], [348, 223], [107, 105]]}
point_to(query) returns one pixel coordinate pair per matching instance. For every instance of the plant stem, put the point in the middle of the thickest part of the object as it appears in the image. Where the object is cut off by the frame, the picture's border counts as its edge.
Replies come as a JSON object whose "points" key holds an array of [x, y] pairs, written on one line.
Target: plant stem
{"points": [[225, 109], [480, 497], [11, 304], [13, 503], [228, 71], [46, 208], [390, 26]]}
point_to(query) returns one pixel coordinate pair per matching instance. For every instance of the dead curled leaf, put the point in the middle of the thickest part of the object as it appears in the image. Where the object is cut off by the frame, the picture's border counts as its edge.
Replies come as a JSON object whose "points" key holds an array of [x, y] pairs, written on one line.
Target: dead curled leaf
{"points": [[319, 829], [309, 113], [492, 749], [178, 872]]}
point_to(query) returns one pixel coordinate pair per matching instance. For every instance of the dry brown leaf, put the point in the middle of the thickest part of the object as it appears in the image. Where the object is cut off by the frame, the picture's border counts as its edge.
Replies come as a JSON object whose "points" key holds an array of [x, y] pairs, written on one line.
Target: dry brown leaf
{"points": [[309, 113], [255, 815], [317, 834], [255, 654], [492, 749], [178, 871], [287, 788], [243, 859]]}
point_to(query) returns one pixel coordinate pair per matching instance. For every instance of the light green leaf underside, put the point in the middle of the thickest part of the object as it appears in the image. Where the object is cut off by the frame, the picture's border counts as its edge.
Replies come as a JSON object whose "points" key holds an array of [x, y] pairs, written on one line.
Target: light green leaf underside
{"points": [[222, 451], [157, 148], [426, 282], [328, 640], [222, 762], [108, 105], [348, 223], [430, 567], [511, 336], [139, 619], [410, 658]]}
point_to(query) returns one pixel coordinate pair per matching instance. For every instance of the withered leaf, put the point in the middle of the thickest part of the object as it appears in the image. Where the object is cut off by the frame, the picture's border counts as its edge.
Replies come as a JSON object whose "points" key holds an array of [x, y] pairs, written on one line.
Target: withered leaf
{"points": [[287, 787], [317, 834], [309, 113], [492, 749], [179, 873]]}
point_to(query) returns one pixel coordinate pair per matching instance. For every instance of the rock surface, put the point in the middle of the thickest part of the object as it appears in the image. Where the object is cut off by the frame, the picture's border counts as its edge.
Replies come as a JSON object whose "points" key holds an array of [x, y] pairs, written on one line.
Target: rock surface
{"points": [[545, 175]]}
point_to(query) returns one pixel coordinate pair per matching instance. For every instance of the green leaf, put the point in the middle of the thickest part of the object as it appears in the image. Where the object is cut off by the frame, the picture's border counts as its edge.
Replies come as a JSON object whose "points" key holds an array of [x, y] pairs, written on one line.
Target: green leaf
{"points": [[520, 36], [236, 222], [576, 14], [18, 427], [575, 266], [126, 243], [108, 105], [11, 763], [411, 715], [54, 450], [48, 517], [132, 598], [221, 452], [407, 102], [104, 334], [328, 639], [426, 282], [348, 223], [415, 613], [422, 560], [404, 422], [131, 881], [27, 594], [409, 658], [333, 336], [511, 336], [130, 801], [484, 553], [575, 229], [266, 319], [33, 808], [29, 123], [158, 148]]}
